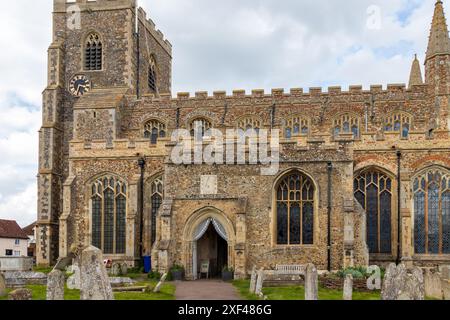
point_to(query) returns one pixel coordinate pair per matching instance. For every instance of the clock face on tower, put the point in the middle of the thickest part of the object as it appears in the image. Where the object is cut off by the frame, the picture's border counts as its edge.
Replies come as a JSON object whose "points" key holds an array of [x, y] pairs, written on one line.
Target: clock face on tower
{"points": [[79, 85]]}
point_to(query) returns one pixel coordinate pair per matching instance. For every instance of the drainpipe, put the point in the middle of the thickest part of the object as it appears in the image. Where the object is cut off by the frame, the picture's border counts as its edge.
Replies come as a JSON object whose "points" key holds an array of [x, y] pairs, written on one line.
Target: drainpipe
{"points": [[399, 221], [330, 171], [141, 163]]}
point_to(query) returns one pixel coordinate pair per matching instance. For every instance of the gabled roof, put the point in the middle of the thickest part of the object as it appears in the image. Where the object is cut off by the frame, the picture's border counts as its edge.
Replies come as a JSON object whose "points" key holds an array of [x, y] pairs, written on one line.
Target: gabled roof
{"points": [[29, 229], [11, 230]]}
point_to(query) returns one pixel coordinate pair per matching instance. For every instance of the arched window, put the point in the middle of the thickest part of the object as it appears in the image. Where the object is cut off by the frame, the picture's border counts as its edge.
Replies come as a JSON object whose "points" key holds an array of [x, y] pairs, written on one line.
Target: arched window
{"points": [[296, 126], [154, 130], [346, 123], [432, 212], [373, 190], [93, 53], [156, 199], [199, 127], [152, 75], [109, 207], [295, 210], [398, 122]]}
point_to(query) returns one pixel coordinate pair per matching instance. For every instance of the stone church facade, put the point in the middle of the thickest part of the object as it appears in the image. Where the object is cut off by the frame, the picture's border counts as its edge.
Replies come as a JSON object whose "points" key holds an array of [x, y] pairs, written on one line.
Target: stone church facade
{"points": [[364, 175]]}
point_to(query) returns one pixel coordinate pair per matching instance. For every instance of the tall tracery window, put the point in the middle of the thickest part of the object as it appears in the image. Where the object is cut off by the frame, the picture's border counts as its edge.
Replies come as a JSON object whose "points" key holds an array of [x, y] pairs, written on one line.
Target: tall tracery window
{"points": [[432, 212], [373, 190], [93, 53], [152, 75], [156, 199], [296, 126], [398, 122], [109, 203], [199, 127], [295, 210], [346, 123], [154, 130]]}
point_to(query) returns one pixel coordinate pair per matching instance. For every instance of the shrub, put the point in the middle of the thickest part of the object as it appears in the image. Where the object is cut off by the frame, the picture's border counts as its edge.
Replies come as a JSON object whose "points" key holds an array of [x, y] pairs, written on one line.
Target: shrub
{"points": [[356, 272]]}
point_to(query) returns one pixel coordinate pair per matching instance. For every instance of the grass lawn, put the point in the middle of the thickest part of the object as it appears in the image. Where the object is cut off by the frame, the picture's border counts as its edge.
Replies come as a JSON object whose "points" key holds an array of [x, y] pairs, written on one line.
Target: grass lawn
{"points": [[39, 292], [298, 293]]}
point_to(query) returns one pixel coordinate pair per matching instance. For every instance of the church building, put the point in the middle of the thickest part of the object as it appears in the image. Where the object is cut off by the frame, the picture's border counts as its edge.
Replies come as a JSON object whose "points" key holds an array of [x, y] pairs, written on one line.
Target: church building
{"points": [[363, 177]]}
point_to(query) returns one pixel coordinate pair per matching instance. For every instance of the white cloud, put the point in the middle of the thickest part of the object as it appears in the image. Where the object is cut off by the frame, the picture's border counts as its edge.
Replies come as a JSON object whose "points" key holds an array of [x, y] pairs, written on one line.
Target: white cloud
{"points": [[216, 45]]}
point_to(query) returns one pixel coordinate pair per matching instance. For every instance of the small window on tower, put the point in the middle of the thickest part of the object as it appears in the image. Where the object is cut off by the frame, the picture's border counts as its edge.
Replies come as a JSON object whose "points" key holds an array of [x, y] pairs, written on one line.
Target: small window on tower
{"points": [[152, 76], [93, 53]]}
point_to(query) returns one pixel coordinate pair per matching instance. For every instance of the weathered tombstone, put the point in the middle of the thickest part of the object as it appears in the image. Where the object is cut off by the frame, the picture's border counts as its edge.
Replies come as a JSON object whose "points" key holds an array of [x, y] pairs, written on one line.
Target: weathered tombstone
{"points": [[311, 283], [115, 269], [374, 281], [253, 280], [401, 285], [445, 272], [55, 285], [160, 283], [95, 283], [124, 269], [2, 285], [259, 282], [348, 287], [74, 281], [20, 294], [446, 289], [433, 284]]}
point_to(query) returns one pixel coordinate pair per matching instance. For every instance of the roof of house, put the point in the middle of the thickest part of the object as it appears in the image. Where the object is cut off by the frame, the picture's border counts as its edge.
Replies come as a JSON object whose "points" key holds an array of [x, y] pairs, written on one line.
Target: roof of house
{"points": [[29, 230], [10, 229]]}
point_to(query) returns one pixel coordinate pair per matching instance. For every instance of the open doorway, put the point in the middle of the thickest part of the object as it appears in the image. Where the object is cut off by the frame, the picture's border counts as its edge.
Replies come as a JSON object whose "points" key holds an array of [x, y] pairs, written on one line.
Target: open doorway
{"points": [[213, 248]]}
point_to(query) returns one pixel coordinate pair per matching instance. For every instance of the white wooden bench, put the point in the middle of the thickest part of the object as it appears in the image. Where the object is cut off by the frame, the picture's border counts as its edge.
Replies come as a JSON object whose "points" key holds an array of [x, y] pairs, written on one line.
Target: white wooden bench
{"points": [[290, 270]]}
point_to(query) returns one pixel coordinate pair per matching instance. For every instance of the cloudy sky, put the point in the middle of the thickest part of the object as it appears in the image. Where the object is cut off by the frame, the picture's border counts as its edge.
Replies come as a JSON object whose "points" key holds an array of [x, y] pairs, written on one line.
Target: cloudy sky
{"points": [[218, 45]]}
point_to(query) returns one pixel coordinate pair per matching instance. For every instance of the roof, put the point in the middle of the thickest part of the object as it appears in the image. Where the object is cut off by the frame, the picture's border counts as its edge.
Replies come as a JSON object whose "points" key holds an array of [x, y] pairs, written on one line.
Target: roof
{"points": [[10, 229], [29, 230]]}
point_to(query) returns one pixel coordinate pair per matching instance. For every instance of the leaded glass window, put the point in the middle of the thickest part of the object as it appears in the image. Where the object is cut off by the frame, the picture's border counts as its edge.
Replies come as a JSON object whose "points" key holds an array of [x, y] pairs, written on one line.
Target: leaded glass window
{"points": [[154, 130], [432, 212], [295, 210], [199, 127], [152, 75], [109, 202], [346, 123], [157, 188], [373, 190], [296, 126], [398, 122], [93, 53]]}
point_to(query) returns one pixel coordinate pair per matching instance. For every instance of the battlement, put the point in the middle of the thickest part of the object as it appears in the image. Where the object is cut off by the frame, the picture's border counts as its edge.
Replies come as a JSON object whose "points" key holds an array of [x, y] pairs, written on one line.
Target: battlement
{"points": [[156, 33], [93, 5], [296, 92]]}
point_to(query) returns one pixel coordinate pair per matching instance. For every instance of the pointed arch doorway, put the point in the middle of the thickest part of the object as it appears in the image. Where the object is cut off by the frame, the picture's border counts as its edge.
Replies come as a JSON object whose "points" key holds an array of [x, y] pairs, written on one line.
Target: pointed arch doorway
{"points": [[210, 244]]}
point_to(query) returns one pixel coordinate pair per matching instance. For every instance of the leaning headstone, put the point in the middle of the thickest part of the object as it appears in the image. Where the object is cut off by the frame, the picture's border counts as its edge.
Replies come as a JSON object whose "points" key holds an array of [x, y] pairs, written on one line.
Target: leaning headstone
{"points": [[124, 269], [95, 283], [311, 283], [374, 280], [2, 285], [348, 287], [74, 281], [253, 280], [20, 294], [55, 285], [399, 284], [259, 282], [433, 284], [160, 283]]}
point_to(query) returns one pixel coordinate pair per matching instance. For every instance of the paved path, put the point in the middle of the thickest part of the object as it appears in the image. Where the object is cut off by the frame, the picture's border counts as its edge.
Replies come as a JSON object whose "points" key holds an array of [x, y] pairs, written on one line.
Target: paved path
{"points": [[205, 290]]}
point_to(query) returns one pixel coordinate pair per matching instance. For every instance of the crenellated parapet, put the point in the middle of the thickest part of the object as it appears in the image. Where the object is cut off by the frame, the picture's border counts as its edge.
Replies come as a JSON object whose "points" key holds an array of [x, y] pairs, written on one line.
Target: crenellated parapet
{"points": [[156, 33], [60, 6]]}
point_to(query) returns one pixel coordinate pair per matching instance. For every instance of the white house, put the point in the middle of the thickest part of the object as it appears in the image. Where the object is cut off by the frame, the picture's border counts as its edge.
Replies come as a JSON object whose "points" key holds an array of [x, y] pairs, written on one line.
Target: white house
{"points": [[13, 240]]}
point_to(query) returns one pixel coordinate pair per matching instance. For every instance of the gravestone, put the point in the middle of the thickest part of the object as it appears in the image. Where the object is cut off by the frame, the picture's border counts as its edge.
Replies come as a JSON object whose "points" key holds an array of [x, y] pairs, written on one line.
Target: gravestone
{"points": [[124, 269], [399, 284], [348, 287], [160, 283], [20, 294], [74, 281], [253, 280], [259, 282], [445, 272], [374, 281], [95, 283], [2, 285], [433, 284], [311, 283], [55, 285], [115, 269]]}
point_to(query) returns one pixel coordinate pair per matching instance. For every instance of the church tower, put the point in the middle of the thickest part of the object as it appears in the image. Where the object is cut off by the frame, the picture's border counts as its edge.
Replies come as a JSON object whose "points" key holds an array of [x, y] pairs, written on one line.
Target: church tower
{"points": [[98, 55]]}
